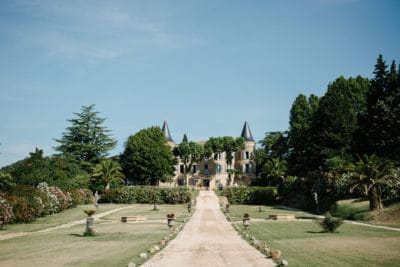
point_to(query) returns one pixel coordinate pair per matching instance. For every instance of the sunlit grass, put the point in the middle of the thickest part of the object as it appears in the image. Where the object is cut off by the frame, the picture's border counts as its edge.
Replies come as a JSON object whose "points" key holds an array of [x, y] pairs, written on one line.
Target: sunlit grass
{"points": [[304, 244], [115, 243]]}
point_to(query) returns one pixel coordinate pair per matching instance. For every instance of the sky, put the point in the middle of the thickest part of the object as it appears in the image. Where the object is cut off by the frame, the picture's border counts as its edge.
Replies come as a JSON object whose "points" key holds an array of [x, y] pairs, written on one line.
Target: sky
{"points": [[204, 66]]}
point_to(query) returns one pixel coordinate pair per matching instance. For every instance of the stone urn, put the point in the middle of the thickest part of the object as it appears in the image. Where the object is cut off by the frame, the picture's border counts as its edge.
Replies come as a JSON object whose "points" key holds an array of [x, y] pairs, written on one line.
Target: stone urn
{"points": [[171, 220], [89, 222], [246, 220]]}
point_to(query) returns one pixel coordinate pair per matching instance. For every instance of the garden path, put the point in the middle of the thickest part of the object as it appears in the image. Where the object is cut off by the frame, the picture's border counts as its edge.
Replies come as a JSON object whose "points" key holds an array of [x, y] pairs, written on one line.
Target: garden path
{"points": [[208, 240], [66, 225]]}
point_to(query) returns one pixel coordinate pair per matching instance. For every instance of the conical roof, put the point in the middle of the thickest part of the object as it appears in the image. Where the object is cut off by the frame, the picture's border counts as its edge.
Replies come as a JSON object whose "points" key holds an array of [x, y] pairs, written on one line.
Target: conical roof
{"points": [[246, 133], [166, 132]]}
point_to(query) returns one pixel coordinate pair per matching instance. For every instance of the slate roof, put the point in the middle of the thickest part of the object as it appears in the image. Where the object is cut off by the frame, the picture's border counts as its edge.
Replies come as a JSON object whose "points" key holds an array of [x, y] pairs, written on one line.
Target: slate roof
{"points": [[166, 132], [246, 133]]}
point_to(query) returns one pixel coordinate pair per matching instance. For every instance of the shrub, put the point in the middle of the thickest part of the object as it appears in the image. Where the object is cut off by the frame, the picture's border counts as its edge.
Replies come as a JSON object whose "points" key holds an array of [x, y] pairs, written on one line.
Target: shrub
{"points": [[329, 223], [23, 212], [6, 210], [145, 194], [81, 196], [251, 195]]}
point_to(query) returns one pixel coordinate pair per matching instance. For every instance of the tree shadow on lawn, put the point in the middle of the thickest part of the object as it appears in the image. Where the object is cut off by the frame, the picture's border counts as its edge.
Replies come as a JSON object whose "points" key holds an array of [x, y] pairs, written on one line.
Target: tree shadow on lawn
{"points": [[77, 235], [322, 232]]}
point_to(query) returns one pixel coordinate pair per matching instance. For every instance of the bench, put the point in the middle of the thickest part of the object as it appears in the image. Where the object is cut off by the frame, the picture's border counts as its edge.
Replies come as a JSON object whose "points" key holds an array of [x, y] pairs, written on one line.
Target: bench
{"points": [[282, 217], [125, 219]]}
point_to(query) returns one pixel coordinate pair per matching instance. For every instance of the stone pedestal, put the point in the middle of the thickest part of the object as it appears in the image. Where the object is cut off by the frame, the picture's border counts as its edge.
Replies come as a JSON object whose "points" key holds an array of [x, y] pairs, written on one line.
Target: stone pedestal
{"points": [[89, 224]]}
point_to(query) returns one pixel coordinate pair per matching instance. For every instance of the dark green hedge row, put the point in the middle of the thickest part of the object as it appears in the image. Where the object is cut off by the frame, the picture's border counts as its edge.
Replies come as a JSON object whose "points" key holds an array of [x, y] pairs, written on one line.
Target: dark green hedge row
{"points": [[146, 194], [251, 195]]}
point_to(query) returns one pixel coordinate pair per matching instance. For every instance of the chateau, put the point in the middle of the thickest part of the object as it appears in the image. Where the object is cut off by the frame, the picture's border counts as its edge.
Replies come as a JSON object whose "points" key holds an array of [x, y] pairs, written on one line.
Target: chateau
{"points": [[214, 171]]}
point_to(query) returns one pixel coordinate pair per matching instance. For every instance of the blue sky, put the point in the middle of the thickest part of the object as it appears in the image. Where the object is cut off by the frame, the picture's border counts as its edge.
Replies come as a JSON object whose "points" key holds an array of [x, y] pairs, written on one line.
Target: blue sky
{"points": [[205, 66]]}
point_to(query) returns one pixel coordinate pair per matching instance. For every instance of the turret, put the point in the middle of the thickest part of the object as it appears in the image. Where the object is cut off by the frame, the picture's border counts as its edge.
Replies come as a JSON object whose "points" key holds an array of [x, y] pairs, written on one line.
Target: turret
{"points": [[167, 134], [247, 157]]}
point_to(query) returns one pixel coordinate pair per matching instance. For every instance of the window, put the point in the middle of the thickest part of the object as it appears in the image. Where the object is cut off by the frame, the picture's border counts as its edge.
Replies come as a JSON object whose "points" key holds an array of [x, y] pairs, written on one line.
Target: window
{"points": [[247, 155], [206, 168], [181, 168], [247, 168], [218, 168], [194, 168]]}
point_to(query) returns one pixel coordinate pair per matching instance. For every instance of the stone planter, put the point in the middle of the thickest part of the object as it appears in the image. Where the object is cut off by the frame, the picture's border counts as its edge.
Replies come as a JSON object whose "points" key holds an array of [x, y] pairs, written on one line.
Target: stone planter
{"points": [[171, 222], [246, 222], [89, 225]]}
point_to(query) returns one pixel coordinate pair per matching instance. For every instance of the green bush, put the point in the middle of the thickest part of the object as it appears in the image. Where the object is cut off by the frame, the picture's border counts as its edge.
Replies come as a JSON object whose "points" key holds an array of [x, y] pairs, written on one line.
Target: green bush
{"points": [[144, 194], [329, 223], [251, 195]]}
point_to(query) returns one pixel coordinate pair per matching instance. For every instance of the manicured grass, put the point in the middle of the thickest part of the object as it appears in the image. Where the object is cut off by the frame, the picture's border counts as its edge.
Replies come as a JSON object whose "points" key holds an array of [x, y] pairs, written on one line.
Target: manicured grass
{"points": [[303, 244], [146, 210], [115, 243], [236, 212], [357, 209], [58, 218]]}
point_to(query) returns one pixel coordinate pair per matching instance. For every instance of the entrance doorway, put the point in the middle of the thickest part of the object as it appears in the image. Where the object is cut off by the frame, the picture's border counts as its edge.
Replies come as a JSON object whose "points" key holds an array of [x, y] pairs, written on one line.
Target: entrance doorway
{"points": [[206, 183]]}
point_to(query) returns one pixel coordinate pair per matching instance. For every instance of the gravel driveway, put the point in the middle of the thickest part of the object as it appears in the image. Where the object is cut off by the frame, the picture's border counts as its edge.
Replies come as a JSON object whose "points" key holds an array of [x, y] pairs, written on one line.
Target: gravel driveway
{"points": [[208, 240]]}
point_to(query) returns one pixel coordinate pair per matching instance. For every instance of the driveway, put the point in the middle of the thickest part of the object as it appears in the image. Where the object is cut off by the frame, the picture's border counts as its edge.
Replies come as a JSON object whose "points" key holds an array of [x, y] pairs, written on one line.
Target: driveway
{"points": [[208, 240]]}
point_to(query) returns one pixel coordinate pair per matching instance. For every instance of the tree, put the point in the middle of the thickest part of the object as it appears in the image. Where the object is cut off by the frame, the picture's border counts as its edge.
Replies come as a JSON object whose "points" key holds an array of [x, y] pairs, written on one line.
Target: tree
{"points": [[147, 158], [299, 135], [7, 183], [86, 141], [189, 153], [275, 144], [108, 172], [274, 171], [226, 144], [335, 121], [373, 173], [379, 130]]}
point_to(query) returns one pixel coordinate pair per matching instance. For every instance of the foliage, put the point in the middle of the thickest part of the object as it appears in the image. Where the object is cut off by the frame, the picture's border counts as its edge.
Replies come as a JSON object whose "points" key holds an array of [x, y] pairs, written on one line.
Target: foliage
{"points": [[81, 196], [250, 195], [328, 223], [299, 134], [6, 210], [349, 211], [371, 175], [226, 144], [147, 158], [146, 194], [188, 153], [53, 170], [89, 212], [7, 183], [275, 144], [379, 131], [106, 172], [86, 141], [28, 203], [335, 121], [274, 170]]}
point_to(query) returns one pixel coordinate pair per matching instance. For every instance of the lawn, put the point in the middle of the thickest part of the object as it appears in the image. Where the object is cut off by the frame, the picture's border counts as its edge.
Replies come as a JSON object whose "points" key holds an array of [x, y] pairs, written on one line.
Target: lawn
{"points": [[116, 243], [236, 212], [303, 244]]}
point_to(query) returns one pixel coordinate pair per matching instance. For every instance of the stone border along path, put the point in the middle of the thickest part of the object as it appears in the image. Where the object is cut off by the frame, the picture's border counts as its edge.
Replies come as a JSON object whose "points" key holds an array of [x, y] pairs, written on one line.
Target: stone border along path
{"points": [[208, 240]]}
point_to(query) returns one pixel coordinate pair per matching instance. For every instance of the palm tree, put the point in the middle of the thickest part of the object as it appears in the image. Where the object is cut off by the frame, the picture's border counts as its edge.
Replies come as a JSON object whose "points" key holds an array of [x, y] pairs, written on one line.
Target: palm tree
{"points": [[108, 171], [372, 173], [274, 170]]}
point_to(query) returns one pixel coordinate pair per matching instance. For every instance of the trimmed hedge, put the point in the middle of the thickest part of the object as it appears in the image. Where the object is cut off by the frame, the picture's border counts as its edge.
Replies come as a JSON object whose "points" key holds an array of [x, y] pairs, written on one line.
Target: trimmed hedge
{"points": [[146, 194], [251, 195]]}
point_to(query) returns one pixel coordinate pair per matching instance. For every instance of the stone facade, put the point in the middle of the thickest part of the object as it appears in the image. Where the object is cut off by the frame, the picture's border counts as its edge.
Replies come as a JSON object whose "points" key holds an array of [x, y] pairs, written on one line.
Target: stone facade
{"points": [[210, 172]]}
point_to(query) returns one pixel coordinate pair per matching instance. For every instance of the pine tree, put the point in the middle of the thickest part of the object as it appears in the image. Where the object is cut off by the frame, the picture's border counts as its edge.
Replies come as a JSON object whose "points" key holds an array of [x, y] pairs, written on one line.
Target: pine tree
{"points": [[86, 141], [379, 131]]}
